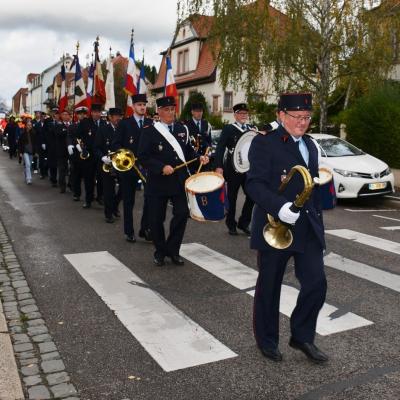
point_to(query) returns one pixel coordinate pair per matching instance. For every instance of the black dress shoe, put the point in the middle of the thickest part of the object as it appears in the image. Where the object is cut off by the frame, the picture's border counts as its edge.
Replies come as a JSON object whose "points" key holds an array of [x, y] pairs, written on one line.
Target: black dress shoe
{"points": [[86, 205], [145, 234], [310, 350], [116, 214], [100, 201], [272, 354], [244, 229], [177, 260], [130, 238], [159, 261], [62, 190], [110, 220], [232, 231], [76, 198]]}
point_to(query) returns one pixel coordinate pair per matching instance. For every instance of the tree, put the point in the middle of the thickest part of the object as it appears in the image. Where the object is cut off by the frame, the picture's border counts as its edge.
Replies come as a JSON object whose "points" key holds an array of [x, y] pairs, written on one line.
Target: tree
{"points": [[315, 45], [194, 97]]}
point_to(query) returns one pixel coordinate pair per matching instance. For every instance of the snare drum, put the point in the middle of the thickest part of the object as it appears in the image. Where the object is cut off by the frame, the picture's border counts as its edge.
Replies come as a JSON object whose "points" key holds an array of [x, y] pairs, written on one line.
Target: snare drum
{"points": [[206, 196], [240, 157]]}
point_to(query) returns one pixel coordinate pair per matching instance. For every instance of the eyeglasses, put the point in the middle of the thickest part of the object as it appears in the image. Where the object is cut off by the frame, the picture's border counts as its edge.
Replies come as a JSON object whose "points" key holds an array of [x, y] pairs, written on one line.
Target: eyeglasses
{"points": [[300, 118]]}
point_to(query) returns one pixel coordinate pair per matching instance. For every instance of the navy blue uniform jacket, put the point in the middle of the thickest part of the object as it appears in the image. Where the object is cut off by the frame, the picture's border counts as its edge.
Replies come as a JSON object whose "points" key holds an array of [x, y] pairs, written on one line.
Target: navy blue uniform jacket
{"points": [[272, 156], [155, 152]]}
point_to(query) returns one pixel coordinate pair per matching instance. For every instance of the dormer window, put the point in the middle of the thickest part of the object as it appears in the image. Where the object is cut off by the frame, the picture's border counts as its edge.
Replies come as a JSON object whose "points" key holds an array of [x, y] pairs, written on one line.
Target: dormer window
{"points": [[183, 61], [183, 33]]}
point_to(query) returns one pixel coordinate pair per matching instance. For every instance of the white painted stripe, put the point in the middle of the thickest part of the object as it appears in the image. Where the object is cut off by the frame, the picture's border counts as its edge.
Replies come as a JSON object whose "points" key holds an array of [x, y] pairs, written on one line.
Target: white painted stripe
{"points": [[240, 276], [392, 197], [390, 228], [362, 210], [388, 218], [373, 241], [364, 271], [168, 335]]}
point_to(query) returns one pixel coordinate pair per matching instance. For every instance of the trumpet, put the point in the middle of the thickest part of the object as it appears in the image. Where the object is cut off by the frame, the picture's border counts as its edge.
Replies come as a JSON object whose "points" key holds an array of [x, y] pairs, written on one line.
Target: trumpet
{"points": [[123, 160], [278, 234], [84, 155]]}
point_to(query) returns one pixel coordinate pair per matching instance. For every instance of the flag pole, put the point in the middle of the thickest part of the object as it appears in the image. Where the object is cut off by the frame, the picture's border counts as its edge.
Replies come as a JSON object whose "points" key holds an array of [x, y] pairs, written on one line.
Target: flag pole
{"points": [[76, 61]]}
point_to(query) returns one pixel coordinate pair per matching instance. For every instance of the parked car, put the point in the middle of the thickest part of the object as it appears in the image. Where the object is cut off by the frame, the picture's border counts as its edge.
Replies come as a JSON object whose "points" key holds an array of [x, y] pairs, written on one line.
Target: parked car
{"points": [[355, 173]]}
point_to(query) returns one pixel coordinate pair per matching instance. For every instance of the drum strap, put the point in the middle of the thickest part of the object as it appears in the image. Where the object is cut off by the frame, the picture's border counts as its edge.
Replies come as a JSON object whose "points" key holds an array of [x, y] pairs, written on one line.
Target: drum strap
{"points": [[170, 139]]}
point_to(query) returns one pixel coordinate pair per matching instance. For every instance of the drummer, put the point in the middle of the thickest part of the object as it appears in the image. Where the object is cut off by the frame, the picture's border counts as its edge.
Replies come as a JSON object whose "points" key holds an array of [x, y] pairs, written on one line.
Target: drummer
{"points": [[229, 136], [162, 147]]}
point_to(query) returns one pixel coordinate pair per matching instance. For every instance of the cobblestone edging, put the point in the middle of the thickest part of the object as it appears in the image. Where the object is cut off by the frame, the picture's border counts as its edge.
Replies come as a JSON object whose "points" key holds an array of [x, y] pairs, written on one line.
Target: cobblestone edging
{"points": [[39, 363]]}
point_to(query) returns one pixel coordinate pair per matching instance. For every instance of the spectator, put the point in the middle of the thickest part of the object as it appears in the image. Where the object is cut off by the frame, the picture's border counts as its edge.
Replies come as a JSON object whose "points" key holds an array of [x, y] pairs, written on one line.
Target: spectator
{"points": [[27, 147]]}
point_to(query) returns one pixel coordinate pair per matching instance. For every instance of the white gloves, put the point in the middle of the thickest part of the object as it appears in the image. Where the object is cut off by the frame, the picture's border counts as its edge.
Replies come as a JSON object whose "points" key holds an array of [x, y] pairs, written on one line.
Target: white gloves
{"points": [[106, 160], [285, 215], [79, 148], [43, 146], [70, 150]]}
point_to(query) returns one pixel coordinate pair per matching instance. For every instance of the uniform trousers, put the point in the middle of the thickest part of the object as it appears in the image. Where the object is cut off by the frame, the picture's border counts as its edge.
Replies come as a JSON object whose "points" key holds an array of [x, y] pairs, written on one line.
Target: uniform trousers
{"points": [[128, 181], [43, 167], [309, 270], [99, 180], [111, 197], [62, 167], [234, 182], [89, 176], [157, 212]]}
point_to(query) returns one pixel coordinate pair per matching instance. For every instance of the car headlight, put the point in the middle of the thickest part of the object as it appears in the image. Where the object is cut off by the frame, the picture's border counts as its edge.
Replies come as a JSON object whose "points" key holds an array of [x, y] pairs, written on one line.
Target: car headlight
{"points": [[347, 174], [387, 171]]}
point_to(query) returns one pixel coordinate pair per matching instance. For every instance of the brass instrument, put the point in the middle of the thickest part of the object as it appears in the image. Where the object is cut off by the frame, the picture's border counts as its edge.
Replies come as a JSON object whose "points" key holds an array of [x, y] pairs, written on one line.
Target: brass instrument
{"points": [[276, 233], [84, 155], [123, 160]]}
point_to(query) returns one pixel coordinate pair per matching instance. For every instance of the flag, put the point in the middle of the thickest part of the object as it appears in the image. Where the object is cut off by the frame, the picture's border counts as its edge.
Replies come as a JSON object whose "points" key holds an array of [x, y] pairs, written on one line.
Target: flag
{"points": [[129, 107], [89, 89], [141, 86], [99, 90], [170, 86], [131, 73], [80, 98], [21, 105], [63, 102], [110, 95]]}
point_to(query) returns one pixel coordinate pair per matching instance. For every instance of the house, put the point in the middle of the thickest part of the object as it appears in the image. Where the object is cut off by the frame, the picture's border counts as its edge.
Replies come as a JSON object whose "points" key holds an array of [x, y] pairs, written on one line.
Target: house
{"points": [[195, 70], [19, 101]]}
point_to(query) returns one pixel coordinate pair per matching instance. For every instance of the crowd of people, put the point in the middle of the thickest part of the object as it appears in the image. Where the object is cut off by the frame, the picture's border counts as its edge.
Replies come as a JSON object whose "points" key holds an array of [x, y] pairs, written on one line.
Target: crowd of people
{"points": [[68, 149]]}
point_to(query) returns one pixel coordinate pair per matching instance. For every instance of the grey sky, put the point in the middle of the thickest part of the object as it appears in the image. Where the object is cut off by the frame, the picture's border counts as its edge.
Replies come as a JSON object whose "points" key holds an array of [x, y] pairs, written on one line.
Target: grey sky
{"points": [[35, 33]]}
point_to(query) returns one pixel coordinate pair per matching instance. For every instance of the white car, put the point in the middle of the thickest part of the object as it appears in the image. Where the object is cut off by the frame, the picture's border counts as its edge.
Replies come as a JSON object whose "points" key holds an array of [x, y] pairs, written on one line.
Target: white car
{"points": [[355, 173]]}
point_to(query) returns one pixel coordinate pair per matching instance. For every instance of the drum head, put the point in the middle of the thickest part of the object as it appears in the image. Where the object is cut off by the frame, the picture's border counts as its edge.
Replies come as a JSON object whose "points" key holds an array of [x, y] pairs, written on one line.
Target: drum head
{"points": [[204, 182], [241, 153]]}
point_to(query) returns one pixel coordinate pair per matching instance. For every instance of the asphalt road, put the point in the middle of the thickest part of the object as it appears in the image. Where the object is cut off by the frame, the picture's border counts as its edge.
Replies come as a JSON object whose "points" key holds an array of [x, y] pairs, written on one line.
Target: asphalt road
{"points": [[102, 356]]}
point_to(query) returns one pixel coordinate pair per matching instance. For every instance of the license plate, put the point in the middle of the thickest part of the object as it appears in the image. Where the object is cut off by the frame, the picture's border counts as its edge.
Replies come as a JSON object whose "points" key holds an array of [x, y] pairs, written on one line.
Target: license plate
{"points": [[376, 186]]}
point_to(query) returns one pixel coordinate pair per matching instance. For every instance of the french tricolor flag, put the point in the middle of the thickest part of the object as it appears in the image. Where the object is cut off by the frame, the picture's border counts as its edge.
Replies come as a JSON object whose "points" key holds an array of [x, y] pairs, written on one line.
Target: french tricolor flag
{"points": [[89, 89], [80, 90], [141, 86], [170, 86], [63, 102], [131, 73]]}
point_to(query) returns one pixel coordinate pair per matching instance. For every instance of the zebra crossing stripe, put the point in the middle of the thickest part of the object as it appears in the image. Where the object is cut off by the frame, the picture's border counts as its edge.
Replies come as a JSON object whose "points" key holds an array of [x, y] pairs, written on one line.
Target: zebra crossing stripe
{"points": [[390, 228], [168, 335], [388, 218], [243, 277], [375, 275], [362, 238]]}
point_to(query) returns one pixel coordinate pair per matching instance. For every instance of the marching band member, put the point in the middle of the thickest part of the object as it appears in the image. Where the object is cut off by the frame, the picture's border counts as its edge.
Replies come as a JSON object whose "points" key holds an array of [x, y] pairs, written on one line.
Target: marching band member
{"points": [[49, 143], [127, 137], [271, 158], [61, 133], [102, 147], [229, 136], [162, 147]]}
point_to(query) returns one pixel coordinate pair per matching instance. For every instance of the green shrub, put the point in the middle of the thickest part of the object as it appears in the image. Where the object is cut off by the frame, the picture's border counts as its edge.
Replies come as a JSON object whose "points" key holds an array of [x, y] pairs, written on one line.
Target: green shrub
{"points": [[373, 124]]}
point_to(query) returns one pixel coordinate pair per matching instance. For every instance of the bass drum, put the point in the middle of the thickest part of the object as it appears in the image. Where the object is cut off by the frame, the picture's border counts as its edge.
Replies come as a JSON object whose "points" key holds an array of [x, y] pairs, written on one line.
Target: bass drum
{"points": [[240, 157]]}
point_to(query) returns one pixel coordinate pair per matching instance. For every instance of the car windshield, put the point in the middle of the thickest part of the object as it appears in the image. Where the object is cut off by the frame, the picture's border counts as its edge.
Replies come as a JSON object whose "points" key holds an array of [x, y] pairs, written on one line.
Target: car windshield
{"points": [[335, 147]]}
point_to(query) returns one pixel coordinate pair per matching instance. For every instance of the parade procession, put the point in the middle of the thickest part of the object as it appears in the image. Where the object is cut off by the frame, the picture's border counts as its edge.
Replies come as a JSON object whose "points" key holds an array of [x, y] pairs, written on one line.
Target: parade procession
{"points": [[208, 227]]}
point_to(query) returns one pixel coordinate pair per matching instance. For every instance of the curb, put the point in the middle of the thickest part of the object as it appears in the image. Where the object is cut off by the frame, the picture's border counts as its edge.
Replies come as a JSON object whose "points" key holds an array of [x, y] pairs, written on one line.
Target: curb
{"points": [[30, 352]]}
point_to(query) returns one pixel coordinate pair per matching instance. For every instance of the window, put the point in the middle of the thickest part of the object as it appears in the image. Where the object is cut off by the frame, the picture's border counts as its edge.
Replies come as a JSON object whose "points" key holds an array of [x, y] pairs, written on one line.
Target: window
{"points": [[183, 61], [228, 101], [215, 107]]}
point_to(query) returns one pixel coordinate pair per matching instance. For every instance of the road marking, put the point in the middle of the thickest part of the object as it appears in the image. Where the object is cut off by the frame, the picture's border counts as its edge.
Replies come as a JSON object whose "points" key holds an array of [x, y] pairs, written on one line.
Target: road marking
{"points": [[389, 218], [373, 241], [364, 271], [362, 210], [168, 335], [390, 228], [242, 277], [392, 197]]}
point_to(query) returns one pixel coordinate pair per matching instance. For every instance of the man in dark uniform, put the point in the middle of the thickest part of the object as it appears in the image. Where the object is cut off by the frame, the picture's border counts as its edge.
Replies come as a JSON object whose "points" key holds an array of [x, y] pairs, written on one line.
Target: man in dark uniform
{"points": [[271, 159], [103, 145], [86, 133], [49, 143], [11, 131], [38, 124], [61, 133], [127, 137], [74, 156], [199, 129], [162, 147], [229, 137]]}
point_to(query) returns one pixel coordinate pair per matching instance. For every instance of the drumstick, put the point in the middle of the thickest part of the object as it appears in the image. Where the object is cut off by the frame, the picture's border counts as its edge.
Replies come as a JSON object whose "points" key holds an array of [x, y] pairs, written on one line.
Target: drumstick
{"points": [[201, 164], [185, 163]]}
